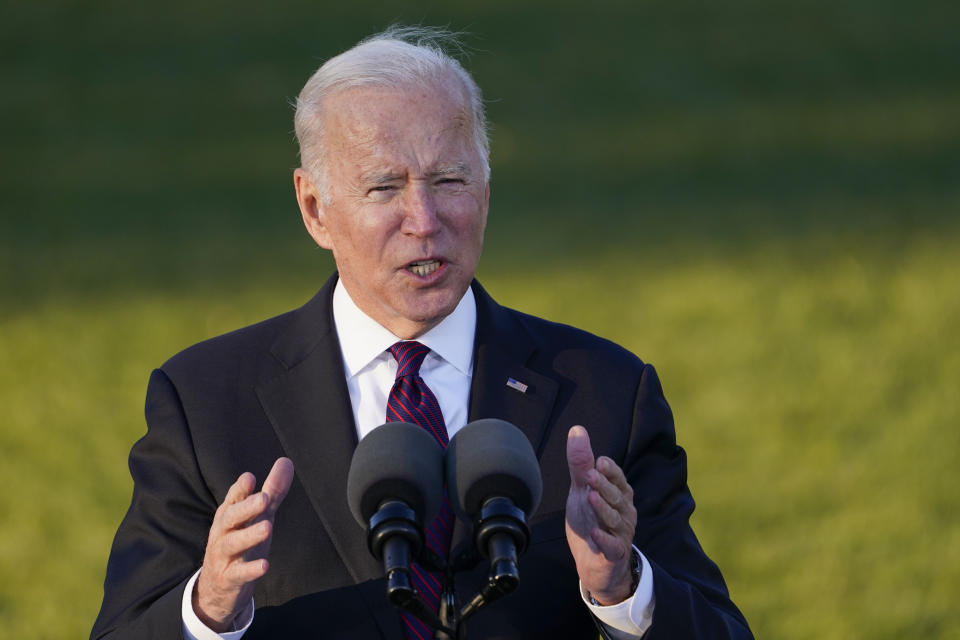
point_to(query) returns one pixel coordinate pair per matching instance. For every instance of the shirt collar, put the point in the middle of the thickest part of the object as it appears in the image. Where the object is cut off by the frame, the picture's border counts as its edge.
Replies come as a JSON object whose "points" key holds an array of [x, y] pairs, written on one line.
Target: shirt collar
{"points": [[363, 339]]}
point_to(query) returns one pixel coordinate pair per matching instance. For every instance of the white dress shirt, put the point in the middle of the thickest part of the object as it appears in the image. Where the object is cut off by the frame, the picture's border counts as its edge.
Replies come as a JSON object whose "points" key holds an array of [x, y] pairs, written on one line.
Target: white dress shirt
{"points": [[448, 369]]}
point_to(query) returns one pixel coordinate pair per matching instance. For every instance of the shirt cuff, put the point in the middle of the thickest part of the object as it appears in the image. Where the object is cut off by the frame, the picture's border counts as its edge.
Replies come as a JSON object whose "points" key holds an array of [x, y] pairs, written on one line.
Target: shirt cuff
{"points": [[194, 629], [632, 617]]}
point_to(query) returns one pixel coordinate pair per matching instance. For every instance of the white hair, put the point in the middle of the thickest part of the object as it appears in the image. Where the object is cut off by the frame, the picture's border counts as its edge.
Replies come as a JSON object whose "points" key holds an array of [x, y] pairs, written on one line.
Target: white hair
{"points": [[397, 57]]}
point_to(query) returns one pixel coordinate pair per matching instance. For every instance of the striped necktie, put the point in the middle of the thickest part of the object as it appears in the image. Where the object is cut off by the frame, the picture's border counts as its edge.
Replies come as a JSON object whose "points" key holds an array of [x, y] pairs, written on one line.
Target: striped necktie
{"points": [[412, 401]]}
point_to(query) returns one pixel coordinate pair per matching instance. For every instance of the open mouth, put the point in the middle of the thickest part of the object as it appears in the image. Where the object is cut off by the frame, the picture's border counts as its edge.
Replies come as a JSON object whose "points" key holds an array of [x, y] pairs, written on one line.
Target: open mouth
{"points": [[423, 267]]}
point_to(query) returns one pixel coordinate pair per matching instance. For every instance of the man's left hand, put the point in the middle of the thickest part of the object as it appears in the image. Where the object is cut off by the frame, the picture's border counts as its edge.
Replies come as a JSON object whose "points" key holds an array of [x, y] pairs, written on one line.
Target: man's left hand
{"points": [[601, 521]]}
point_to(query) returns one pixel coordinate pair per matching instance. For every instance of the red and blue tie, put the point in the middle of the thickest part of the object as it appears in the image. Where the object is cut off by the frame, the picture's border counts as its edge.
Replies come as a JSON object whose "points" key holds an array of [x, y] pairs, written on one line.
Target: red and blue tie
{"points": [[412, 401]]}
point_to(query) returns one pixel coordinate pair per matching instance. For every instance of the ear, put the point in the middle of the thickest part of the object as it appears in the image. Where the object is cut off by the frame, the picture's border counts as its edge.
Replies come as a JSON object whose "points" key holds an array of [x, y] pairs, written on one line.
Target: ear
{"points": [[311, 207]]}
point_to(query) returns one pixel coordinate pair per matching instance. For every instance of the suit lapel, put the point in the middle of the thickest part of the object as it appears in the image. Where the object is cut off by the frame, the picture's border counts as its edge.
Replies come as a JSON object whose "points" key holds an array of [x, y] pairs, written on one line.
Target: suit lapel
{"points": [[502, 350], [309, 407], [503, 385]]}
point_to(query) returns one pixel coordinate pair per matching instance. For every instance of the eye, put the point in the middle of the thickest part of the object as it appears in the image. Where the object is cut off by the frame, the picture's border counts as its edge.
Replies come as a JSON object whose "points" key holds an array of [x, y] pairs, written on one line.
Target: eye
{"points": [[381, 191]]}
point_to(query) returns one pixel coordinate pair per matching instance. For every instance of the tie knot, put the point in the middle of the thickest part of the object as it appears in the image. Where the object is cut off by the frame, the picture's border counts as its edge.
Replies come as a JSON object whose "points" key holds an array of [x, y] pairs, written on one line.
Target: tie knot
{"points": [[409, 355]]}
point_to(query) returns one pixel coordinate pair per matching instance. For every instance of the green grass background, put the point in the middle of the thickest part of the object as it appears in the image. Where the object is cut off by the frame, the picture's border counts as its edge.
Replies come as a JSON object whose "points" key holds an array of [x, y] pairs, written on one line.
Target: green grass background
{"points": [[760, 198]]}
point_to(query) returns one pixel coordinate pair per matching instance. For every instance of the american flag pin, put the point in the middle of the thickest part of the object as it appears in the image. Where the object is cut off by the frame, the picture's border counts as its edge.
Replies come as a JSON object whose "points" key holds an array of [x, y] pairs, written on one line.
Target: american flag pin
{"points": [[516, 384]]}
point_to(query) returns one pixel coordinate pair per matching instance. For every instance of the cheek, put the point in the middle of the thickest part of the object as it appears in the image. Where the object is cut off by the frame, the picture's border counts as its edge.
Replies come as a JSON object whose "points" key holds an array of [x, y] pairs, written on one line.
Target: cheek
{"points": [[467, 211], [476, 225], [364, 230], [373, 246]]}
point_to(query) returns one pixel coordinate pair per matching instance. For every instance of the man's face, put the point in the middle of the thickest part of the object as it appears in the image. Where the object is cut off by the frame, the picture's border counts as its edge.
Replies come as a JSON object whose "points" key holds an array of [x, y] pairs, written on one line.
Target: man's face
{"points": [[407, 201]]}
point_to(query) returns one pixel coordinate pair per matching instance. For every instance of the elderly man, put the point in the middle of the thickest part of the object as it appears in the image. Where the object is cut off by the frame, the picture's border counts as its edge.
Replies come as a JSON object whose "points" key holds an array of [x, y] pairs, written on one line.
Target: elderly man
{"points": [[395, 182]]}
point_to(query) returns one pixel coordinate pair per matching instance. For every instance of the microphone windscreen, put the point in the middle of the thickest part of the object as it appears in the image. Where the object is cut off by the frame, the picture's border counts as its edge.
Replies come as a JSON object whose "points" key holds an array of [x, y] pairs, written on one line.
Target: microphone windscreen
{"points": [[488, 458], [396, 461]]}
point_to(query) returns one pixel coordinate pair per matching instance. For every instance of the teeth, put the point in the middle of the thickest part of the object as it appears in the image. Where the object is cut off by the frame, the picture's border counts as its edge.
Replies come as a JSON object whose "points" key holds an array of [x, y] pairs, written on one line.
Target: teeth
{"points": [[424, 267]]}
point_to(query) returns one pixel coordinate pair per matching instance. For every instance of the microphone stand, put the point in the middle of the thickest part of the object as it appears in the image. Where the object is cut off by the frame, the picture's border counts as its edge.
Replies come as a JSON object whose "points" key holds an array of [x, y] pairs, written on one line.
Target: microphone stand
{"points": [[449, 611], [501, 533], [392, 534]]}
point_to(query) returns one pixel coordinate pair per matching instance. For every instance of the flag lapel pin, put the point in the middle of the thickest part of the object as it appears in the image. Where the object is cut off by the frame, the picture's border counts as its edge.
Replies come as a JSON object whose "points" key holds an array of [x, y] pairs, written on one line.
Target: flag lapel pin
{"points": [[517, 385]]}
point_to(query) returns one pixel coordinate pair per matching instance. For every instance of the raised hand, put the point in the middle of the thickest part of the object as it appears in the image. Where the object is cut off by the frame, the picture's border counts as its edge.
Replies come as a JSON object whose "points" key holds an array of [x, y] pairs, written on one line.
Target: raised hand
{"points": [[237, 546], [601, 520]]}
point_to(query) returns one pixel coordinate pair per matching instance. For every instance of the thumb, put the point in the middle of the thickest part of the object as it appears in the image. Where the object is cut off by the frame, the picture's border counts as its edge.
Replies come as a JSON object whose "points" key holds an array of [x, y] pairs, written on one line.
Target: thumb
{"points": [[579, 455], [278, 483]]}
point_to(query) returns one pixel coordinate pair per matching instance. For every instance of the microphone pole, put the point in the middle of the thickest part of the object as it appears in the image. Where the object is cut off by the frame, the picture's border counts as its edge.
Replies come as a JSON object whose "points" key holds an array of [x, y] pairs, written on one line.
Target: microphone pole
{"points": [[503, 533], [493, 479], [393, 487]]}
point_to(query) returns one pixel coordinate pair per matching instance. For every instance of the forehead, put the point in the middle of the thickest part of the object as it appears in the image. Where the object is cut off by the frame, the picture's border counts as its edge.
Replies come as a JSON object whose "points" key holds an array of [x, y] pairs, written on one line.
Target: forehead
{"points": [[420, 120]]}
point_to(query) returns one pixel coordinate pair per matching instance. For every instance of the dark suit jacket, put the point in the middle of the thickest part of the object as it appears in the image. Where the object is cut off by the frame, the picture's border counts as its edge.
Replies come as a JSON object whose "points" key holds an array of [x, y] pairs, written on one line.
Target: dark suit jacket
{"points": [[237, 402]]}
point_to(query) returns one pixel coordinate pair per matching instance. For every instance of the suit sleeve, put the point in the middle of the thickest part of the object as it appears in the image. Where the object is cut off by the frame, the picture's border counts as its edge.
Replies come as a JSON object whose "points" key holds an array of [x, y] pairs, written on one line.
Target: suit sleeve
{"points": [[161, 541], [691, 599]]}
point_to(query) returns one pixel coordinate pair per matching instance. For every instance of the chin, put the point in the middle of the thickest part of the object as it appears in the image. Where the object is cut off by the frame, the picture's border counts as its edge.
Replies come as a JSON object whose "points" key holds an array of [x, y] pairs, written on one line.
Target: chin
{"points": [[433, 309], [431, 315]]}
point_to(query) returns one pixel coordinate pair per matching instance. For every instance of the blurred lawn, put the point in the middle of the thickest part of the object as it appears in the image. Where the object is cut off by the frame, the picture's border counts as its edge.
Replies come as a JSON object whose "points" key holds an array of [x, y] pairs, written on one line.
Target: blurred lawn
{"points": [[760, 199]]}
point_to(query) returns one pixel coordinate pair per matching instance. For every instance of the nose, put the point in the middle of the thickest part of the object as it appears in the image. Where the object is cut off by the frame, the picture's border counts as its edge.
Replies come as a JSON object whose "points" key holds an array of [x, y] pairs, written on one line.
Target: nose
{"points": [[419, 211]]}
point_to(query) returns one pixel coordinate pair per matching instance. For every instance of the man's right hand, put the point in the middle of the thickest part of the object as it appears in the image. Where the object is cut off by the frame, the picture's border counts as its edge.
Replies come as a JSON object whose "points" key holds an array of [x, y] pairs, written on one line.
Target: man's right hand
{"points": [[237, 546]]}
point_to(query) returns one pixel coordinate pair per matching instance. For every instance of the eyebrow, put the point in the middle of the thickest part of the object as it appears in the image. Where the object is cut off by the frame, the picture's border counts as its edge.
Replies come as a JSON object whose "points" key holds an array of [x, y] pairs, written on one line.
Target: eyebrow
{"points": [[381, 177], [378, 177], [460, 168]]}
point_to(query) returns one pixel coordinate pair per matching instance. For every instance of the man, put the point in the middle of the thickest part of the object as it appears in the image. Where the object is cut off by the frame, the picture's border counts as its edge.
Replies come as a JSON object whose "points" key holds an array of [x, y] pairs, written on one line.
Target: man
{"points": [[395, 182]]}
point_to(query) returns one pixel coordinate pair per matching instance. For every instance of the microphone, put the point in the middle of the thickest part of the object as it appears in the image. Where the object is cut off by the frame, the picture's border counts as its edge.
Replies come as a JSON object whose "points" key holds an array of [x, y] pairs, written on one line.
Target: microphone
{"points": [[493, 480], [394, 486]]}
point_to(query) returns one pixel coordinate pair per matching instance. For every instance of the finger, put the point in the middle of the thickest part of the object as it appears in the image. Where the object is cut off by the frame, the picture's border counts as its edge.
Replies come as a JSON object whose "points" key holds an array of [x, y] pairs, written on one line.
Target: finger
{"points": [[278, 483], [579, 455], [239, 542], [612, 472], [241, 573], [238, 515], [614, 548], [607, 516], [239, 491], [611, 493]]}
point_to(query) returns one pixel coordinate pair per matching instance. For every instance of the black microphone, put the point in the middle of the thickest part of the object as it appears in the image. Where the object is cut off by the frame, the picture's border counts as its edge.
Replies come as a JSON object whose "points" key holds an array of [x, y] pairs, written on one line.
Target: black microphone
{"points": [[493, 480], [394, 486]]}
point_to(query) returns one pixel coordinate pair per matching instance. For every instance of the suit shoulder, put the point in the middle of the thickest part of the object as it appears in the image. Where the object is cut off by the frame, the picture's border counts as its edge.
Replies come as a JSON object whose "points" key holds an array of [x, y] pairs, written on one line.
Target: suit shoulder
{"points": [[558, 340], [230, 351]]}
